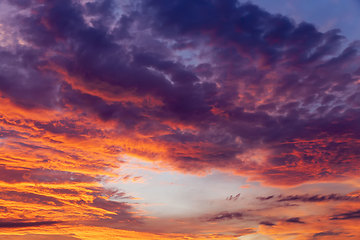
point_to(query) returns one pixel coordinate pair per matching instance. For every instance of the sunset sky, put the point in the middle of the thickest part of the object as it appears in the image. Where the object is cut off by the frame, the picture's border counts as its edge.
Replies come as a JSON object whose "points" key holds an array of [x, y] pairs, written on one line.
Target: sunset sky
{"points": [[179, 119]]}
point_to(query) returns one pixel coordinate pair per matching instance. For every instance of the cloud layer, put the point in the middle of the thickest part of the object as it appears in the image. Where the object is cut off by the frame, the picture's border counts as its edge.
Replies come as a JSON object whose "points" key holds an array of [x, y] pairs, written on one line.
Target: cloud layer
{"points": [[193, 85]]}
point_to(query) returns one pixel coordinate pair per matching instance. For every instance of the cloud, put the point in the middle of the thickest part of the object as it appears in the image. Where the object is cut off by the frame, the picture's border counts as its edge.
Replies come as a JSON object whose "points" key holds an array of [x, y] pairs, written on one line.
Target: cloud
{"points": [[30, 198], [318, 198], [38, 237], [236, 115], [265, 198], [294, 220], [19, 224], [266, 223], [173, 22], [325, 233], [225, 216], [346, 215], [194, 85], [233, 198]]}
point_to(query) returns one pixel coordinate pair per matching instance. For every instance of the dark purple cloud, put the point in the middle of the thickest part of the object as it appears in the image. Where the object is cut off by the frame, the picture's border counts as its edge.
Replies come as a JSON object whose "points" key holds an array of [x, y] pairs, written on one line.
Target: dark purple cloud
{"points": [[265, 198], [21, 81], [312, 198], [294, 220], [262, 83], [41, 176], [326, 233], [226, 216], [20, 224], [346, 215], [318, 198], [21, 3], [278, 43], [30, 198], [266, 223], [40, 237]]}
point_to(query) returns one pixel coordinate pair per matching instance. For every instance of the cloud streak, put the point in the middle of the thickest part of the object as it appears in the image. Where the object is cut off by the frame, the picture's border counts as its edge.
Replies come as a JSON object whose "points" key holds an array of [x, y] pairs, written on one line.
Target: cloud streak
{"points": [[312, 198], [19, 224], [346, 215]]}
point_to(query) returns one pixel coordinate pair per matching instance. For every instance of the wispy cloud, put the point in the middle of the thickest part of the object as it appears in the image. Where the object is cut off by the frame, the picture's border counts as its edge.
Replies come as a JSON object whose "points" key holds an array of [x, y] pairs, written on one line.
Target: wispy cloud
{"points": [[19, 224], [346, 215], [225, 216]]}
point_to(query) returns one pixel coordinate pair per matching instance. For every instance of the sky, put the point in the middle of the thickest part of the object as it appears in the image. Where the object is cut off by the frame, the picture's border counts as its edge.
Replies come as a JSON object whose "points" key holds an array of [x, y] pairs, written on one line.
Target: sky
{"points": [[179, 119]]}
